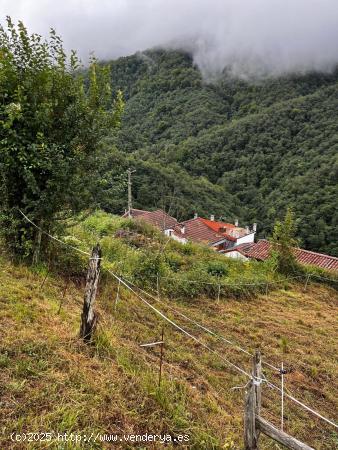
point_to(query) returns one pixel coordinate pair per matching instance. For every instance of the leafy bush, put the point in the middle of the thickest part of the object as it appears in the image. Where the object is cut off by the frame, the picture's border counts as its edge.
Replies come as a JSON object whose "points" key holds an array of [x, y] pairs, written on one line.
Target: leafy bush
{"points": [[51, 124], [283, 243], [101, 224], [175, 261], [148, 269], [217, 268], [67, 261], [185, 271]]}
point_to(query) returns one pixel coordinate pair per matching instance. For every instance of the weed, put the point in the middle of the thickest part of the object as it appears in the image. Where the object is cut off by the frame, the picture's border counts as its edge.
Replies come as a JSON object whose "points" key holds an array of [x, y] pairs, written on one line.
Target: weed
{"points": [[4, 360], [314, 372], [284, 345], [50, 380]]}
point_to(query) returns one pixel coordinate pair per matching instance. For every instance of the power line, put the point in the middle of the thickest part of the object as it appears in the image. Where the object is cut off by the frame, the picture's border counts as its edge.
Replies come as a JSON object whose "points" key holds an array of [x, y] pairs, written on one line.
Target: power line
{"points": [[323, 278], [263, 283]]}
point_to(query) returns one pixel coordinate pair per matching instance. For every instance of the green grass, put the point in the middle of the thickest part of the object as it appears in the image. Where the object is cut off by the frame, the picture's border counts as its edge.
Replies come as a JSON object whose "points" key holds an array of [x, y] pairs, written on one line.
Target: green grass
{"points": [[51, 381], [142, 254]]}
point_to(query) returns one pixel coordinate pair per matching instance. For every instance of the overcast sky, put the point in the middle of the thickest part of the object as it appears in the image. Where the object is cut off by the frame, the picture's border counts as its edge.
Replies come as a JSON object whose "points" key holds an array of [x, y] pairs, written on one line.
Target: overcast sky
{"points": [[252, 36]]}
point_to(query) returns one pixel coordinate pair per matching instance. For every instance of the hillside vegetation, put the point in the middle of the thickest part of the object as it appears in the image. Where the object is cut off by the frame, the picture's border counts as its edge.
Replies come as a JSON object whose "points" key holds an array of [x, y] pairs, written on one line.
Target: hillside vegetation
{"points": [[231, 148], [51, 381]]}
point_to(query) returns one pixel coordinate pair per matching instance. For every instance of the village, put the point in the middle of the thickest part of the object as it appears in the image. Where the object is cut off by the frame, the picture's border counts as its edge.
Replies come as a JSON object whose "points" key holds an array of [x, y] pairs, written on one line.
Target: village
{"points": [[192, 305], [232, 240]]}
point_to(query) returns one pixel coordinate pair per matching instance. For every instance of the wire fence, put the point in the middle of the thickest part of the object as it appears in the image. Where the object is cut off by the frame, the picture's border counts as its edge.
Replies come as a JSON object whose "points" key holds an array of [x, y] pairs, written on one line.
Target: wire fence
{"points": [[163, 316], [215, 283], [234, 366], [224, 283]]}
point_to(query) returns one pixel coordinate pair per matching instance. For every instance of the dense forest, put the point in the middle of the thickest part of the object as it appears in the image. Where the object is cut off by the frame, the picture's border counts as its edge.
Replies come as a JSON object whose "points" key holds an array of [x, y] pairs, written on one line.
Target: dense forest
{"points": [[229, 147], [234, 148], [79, 351]]}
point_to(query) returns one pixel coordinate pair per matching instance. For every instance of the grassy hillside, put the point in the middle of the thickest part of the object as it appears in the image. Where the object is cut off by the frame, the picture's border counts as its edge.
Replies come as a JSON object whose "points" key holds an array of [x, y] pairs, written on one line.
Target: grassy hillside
{"points": [[231, 148], [51, 381]]}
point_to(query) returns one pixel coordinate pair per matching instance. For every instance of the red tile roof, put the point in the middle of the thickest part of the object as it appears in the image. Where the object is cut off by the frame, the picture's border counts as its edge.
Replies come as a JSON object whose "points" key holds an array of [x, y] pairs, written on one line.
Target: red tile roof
{"points": [[213, 224], [261, 250], [241, 248], [221, 228], [197, 230], [159, 218], [134, 213], [210, 231]]}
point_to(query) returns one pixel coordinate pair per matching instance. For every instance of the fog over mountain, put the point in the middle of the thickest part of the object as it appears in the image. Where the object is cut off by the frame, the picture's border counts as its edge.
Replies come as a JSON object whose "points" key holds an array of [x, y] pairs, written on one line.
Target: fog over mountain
{"points": [[252, 37]]}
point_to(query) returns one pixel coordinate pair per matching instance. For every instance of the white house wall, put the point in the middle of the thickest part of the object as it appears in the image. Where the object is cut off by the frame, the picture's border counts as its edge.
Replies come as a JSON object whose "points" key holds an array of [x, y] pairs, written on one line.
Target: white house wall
{"points": [[235, 255], [246, 239], [170, 233], [181, 240]]}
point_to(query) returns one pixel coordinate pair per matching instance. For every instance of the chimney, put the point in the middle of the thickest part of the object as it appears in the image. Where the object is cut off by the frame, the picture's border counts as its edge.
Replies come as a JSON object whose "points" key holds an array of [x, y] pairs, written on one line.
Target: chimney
{"points": [[236, 222], [254, 227], [195, 216], [183, 229], [247, 229], [212, 217]]}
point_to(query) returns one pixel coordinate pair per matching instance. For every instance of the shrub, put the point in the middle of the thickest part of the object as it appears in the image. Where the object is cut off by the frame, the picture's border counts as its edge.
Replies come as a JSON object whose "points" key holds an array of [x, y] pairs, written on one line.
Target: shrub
{"points": [[67, 261], [174, 260], [283, 241], [101, 224], [217, 268], [185, 271]]}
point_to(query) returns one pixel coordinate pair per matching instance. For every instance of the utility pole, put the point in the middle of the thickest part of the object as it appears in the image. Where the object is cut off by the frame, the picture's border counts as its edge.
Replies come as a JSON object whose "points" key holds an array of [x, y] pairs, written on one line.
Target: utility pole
{"points": [[129, 172]]}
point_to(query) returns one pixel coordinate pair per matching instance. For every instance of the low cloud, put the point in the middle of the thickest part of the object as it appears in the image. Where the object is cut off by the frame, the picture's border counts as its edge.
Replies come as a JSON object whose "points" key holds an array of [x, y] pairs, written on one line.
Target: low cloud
{"points": [[251, 37]]}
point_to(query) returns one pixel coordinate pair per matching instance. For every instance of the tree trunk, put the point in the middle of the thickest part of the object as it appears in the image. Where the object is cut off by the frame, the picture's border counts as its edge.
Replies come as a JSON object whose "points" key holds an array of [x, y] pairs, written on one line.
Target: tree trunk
{"points": [[37, 245]]}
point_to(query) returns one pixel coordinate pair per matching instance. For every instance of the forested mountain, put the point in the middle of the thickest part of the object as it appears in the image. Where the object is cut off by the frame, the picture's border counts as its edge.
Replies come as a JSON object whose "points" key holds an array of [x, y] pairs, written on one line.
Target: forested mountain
{"points": [[229, 147]]}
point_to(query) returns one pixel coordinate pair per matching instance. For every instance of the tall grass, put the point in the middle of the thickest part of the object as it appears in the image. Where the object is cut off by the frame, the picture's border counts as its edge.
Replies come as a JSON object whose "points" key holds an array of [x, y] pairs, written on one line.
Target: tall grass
{"points": [[142, 254]]}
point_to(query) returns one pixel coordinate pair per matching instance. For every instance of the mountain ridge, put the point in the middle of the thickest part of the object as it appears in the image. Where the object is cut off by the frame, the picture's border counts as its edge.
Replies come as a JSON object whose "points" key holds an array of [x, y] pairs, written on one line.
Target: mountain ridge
{"points": [[263, 146]]}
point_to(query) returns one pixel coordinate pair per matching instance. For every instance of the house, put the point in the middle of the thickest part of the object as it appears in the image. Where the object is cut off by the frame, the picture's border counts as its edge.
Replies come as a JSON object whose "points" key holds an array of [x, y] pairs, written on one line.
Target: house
{"points": [[261, 251], [158, 218], [219, 235], [231, 240]]}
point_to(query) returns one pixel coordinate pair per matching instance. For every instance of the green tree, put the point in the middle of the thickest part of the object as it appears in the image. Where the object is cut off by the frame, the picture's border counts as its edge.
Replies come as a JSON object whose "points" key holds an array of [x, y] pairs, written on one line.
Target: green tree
{"points": [[232, 148], [283, 242], [52, 118]]}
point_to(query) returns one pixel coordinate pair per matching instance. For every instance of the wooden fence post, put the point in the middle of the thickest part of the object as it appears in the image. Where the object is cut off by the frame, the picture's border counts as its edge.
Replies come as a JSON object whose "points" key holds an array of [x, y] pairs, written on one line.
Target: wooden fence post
{"points": [[161, 359], [250, 437], [117, 298], [307, 282], [88, 317], [218, 293], [257, 374], [253, 405], [267, 290], [37, 245]]}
